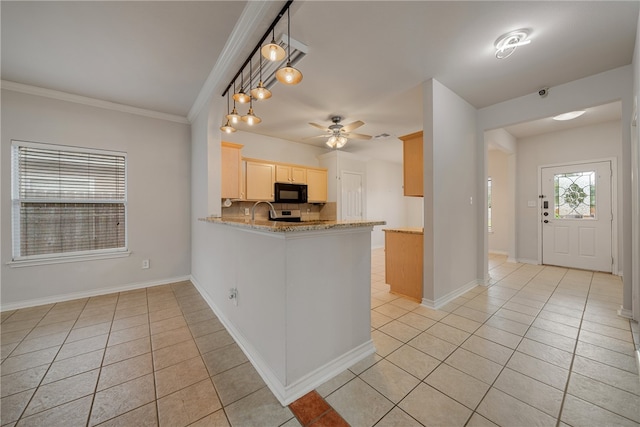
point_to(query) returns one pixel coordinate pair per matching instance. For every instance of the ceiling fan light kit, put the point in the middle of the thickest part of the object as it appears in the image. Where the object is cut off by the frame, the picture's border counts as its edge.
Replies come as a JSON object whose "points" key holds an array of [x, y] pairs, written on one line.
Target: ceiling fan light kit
{"points": [[287, 75], [339, 134]]}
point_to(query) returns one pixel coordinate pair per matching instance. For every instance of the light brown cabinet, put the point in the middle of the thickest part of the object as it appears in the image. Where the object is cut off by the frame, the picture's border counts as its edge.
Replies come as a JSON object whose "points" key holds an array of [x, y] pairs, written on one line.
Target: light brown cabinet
{"points": [[231, 170], [260, 177], [403, 249], [291, 173], [316, 185], [413, 164]]}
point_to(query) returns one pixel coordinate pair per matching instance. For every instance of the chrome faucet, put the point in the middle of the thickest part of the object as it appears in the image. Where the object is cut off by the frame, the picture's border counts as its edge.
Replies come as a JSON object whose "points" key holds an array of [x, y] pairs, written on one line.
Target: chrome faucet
{"points": [[253, 209]]}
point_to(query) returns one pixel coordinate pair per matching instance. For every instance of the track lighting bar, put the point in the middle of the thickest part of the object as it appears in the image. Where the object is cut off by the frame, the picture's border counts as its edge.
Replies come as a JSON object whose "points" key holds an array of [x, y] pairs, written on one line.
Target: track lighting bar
{"points": [[259, 45]]}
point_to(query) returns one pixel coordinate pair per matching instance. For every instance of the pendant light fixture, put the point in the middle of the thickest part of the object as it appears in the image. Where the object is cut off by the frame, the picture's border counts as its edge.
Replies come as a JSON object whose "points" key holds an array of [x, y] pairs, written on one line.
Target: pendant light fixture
{"points": [[240, 96], [261, 92], [227, 128], [273, 51], [250, 118], [289, 75], [233, 117]]}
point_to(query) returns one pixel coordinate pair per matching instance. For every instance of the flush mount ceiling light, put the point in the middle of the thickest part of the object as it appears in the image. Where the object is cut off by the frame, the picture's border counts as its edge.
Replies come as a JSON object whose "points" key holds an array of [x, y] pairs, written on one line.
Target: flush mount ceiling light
{"points": [[569, 116], [507, 43]]}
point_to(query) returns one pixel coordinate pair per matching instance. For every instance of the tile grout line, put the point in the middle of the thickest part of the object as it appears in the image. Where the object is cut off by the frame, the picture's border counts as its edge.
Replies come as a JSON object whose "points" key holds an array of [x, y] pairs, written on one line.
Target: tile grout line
{"points": [[573, 355]]}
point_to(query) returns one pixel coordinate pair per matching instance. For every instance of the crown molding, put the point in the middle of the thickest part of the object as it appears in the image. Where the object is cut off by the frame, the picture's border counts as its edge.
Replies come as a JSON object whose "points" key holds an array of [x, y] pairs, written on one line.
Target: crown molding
{"points": [[252, 14], [93, 102]]}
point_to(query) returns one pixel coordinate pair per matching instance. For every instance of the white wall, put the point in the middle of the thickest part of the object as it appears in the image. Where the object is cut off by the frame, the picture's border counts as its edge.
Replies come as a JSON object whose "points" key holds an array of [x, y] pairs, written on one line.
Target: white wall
{"points": [[384, 198], [612, 85], [585, 143], [158, 156], [275, 149], [450, 220], [635, 173], [498, 171]]}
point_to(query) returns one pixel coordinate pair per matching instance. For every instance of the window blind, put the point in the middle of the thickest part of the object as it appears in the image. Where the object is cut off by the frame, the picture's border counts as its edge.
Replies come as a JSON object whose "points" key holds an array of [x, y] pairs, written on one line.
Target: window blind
{"points": [[67, 200]]}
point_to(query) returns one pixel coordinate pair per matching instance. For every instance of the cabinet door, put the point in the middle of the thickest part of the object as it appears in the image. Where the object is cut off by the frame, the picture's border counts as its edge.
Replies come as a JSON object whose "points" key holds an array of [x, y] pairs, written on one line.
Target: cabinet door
{"points": [[231, 170], [298, 175], [412, 164], [283, 173], [317, 185], [260, 180]]}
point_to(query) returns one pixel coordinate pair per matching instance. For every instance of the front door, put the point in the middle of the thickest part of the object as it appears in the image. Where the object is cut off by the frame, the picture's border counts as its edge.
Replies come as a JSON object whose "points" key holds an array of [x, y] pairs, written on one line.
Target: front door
{"points": [[576, 216]]}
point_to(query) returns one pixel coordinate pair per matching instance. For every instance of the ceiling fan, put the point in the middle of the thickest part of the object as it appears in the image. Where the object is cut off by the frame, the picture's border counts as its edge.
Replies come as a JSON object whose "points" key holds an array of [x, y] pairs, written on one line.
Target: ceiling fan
{"points": [[338, 134]]}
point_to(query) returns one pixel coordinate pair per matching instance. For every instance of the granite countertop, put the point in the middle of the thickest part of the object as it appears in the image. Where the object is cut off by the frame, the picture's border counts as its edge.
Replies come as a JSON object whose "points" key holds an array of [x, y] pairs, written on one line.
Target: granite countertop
{"points": [[284, 227], [408, 230]]}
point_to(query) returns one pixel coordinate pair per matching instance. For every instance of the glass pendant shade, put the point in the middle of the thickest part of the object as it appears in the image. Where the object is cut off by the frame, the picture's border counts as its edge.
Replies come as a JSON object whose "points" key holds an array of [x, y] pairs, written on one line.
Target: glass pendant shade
{"points": [[234, 117], [227, 128], [251, 119], [288, 75], [273, 51], [261, 92], [241, 97], [336, 141]]}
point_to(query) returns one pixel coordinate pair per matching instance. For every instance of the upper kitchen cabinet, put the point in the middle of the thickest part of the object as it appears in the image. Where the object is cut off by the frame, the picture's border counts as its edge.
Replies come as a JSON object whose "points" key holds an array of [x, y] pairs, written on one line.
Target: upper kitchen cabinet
{"points": [[260, 177], [316, 185], [412, 164], [231, 168], [291, 173]]}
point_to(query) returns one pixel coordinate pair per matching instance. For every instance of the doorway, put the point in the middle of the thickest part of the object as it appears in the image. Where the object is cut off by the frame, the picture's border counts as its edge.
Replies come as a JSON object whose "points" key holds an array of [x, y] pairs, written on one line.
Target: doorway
{"points": [[576, 215], [352, 204]]}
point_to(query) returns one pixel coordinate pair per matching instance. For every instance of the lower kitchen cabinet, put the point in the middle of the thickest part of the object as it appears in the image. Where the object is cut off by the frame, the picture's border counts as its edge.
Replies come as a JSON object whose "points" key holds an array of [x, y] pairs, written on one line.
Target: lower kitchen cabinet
{"points": [[403, 249]]}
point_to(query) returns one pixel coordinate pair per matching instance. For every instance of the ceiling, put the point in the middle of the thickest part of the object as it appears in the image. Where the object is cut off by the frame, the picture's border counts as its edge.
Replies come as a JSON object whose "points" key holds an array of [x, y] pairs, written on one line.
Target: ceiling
{"points": [[366, 59]]}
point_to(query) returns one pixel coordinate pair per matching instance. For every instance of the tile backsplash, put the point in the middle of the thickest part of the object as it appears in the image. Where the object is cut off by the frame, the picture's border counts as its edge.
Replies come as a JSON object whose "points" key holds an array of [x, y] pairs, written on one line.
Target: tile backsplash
{"points": [[308, 211]]}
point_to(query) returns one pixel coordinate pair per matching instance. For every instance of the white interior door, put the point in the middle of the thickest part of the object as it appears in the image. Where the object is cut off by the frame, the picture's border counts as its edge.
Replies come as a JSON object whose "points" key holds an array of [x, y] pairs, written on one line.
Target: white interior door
{"points": [[352, 205], [576, 216]]}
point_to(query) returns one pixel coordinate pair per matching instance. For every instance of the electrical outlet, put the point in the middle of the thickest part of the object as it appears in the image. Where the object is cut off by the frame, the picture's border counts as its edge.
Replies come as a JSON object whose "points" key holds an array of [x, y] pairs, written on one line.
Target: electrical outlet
{"points": [[246, 211], [145, 264]]}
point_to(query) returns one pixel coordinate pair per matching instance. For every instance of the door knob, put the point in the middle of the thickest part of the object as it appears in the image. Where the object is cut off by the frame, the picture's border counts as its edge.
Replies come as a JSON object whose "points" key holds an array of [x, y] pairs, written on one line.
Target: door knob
{"points": [[546, 221], [546, 214]]}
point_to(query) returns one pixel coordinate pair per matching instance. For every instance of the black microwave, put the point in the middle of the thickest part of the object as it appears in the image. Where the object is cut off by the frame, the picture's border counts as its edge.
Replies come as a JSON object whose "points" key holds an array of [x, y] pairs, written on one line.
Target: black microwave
{"points": [[290, 193]]}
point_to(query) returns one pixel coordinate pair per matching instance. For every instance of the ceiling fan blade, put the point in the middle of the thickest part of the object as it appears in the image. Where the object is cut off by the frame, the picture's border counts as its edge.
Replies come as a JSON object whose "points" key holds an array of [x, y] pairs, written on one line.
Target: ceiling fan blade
{"points": [[357, 136], [352, 126], [315, 125], [316, 136]]}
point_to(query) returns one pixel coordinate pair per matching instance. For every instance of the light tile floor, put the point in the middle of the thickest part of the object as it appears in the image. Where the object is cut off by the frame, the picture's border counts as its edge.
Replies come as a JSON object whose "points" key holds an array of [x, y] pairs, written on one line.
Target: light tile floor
{"points": [[540, 346]]}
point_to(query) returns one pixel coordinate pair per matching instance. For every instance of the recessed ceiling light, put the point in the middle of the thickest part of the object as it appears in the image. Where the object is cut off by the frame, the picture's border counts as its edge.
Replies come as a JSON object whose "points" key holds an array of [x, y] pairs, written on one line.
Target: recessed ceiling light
{"points": [[569, 116], [507, 43]]}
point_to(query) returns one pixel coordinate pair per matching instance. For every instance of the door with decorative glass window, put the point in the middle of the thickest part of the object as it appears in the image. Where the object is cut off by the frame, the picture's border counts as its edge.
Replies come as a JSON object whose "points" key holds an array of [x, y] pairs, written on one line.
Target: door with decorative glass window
{"points": [[576, 216]]}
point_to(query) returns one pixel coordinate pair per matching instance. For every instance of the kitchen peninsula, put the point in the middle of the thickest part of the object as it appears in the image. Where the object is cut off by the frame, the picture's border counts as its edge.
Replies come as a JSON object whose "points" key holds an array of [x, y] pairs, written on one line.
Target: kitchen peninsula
{"points": [[298, 298]]}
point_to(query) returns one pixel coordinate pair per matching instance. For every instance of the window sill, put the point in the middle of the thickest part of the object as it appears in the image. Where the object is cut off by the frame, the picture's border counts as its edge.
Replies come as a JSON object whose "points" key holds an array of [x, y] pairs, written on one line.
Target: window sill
{"points": [[66, 259]]}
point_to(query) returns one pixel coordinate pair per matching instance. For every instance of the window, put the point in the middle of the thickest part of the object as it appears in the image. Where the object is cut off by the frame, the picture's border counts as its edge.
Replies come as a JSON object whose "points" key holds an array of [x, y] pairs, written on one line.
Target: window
{"points": [[67, 201], [489, 203], [575, 195]]}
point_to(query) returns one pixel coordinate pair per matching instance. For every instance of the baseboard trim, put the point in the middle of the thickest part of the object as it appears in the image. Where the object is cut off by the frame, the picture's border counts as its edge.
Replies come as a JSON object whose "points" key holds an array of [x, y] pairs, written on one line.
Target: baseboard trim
{"points": [[287, 394], [528, 261], [92, 293], [623, 312], [496, 252], [445, 299]]}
